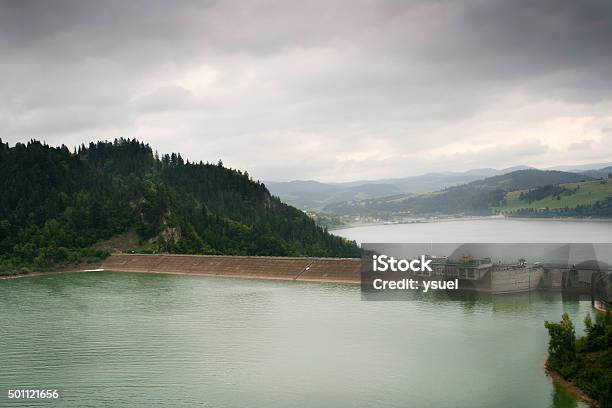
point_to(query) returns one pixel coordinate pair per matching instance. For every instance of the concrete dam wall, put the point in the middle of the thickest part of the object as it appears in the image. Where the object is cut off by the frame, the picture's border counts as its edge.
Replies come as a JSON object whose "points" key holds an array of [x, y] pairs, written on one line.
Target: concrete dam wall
{"points": [[339, 270], [332, 270], [512, 280]]}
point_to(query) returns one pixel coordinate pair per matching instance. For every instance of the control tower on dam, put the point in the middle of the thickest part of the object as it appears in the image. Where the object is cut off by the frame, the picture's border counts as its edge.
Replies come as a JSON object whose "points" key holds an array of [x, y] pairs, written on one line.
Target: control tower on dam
{"points": [[483, 274]]}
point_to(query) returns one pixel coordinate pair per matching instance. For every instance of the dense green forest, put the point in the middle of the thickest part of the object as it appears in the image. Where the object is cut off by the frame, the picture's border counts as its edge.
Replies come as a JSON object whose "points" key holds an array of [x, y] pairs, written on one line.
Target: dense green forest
{"points": [[585, 361], [56, 205]]}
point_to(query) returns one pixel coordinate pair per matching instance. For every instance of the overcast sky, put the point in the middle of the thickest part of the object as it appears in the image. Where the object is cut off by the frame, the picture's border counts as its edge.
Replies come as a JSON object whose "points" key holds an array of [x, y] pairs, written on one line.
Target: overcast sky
{"points": [[325, 90]]}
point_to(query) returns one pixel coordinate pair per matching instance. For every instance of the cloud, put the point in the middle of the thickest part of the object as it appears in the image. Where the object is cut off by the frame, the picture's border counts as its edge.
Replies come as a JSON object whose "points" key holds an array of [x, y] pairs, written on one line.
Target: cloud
{"points": [[165, 98], [328, 90], [582, 145]]}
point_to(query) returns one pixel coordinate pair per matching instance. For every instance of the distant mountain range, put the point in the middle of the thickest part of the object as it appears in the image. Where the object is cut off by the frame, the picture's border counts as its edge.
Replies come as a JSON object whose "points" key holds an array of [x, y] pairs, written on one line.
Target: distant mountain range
{"points": [[601, 173], [314, 195]]}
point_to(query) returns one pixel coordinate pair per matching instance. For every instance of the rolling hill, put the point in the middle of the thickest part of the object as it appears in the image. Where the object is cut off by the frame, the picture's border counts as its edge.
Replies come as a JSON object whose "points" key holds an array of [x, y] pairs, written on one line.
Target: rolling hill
{"points": [[529, 178], [563, 199], [604, 172], [480, 197]]}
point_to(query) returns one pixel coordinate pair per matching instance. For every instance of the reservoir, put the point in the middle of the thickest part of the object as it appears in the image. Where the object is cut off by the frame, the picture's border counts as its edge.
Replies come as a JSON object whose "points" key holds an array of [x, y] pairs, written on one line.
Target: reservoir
{"points": [[143, 340], [484, 230]]}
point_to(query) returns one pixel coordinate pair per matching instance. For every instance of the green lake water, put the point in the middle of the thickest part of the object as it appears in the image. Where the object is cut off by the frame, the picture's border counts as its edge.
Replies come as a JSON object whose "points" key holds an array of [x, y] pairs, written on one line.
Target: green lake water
{"points": [[137, 340]]}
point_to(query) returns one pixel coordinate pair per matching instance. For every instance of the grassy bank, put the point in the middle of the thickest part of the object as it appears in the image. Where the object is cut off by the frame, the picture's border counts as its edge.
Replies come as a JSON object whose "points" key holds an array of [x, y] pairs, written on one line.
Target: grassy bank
{"points": [[569, 195]]}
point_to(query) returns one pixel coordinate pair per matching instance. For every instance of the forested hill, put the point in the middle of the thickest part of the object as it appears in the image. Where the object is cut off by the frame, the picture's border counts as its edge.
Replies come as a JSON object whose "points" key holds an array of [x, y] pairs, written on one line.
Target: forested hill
{"points": [[56, 205], [479, 197], [525, 179]]}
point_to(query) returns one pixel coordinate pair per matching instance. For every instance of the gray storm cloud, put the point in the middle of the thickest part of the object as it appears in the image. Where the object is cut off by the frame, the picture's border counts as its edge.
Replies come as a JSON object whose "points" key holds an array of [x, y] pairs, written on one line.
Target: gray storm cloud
{"points": [[320, 89]]}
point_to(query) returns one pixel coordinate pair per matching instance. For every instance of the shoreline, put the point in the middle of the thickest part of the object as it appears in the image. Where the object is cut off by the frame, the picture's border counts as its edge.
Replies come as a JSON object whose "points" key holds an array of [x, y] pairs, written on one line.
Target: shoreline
{"points": [[420, 221], [33, 274], [249, 277], [303, 269], [570, 387], [73, 269], [473, 218], [211, 275]]}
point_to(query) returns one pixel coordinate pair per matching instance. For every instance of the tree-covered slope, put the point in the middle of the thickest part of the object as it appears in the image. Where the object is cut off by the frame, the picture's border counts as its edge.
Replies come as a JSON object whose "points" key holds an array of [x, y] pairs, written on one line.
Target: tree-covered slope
{"points": [[586, 360], [528, 178], [56, 205]]}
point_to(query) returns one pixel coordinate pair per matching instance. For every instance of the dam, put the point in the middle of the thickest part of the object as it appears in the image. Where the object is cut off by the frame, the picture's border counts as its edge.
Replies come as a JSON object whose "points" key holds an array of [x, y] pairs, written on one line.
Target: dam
{"points": [[482, 277], [333, 270]]}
